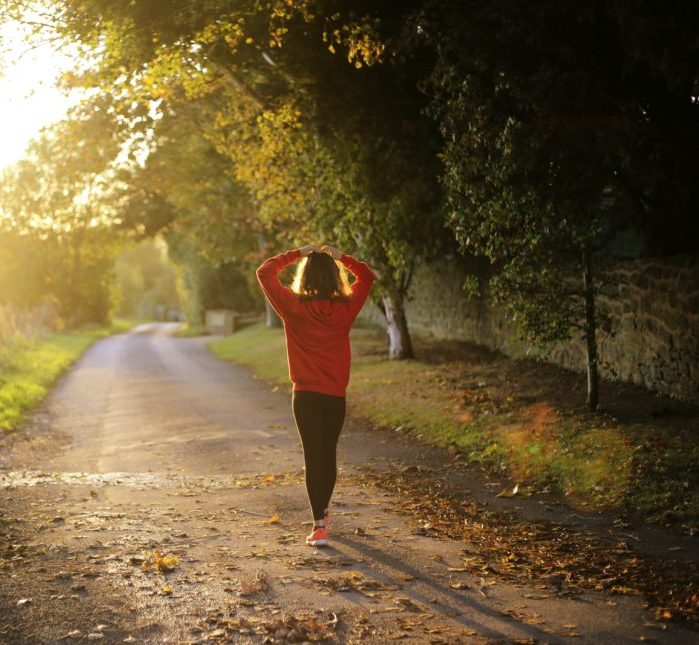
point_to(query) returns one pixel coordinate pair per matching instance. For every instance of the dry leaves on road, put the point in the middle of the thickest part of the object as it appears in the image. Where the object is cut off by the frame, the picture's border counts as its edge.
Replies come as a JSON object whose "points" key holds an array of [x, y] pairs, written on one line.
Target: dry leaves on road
{"points": [[322, 563], [289, 627], [352, 581], [552, 555], [254, 585], [160, 562]]}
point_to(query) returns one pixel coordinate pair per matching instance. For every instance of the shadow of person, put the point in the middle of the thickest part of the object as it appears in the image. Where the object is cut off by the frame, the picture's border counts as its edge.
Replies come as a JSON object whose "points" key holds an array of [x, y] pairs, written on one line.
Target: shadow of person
{"points": [[457, 606]]}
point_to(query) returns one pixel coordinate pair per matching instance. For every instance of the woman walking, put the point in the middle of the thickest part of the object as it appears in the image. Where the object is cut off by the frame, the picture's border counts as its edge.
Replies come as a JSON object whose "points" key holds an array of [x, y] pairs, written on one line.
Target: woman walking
{"points": [[318, 312]]}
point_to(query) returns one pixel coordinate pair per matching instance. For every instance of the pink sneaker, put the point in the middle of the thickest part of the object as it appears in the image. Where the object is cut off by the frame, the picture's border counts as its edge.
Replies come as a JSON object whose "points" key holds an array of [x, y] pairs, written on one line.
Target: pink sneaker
{"points": [[319, 537]]}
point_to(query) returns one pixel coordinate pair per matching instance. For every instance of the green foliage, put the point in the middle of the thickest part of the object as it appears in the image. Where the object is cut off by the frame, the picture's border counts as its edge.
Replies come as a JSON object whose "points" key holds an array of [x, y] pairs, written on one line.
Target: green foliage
{"points": [[185, 187], [145, 280], [56, 208], [191, 331], [28, 368], [294, 121], [337, 154], [201, 285], [72, 274], [28, 264], [317, 147], [554, 119], [185, 192]]}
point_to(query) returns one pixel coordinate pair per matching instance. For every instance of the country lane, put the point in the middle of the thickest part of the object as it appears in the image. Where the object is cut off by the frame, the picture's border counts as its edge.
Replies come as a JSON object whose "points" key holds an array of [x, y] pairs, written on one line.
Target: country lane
{"points": [[157, 496]]}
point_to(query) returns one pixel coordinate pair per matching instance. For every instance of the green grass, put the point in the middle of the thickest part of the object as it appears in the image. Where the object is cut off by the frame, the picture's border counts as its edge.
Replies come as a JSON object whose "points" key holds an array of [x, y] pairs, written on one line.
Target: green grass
{"points": [[121, 325], [595, 460], [190, 331], [257, 346], [28, 368]]}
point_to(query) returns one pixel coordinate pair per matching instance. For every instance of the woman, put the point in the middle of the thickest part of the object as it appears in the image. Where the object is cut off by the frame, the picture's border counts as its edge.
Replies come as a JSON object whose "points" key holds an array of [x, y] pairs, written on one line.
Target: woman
{"points": [[318, 313]]}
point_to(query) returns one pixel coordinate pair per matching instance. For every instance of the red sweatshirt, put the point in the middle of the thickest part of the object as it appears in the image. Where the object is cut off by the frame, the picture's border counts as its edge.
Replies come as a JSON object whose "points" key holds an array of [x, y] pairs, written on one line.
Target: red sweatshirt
{"points": [[317, 331]]}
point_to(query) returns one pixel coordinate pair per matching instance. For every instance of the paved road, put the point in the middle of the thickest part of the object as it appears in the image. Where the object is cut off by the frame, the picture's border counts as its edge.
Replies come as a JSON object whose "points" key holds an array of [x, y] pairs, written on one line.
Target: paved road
{"points": [[151, 444]]}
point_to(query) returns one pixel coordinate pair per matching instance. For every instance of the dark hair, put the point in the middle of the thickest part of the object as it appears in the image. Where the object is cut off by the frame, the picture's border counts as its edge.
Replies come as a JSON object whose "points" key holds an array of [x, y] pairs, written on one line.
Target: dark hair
{"points": [[319, 277]]}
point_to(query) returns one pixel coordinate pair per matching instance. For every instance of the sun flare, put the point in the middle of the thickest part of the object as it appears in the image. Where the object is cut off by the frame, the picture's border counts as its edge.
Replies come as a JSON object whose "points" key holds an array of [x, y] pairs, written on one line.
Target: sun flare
{"points": [[29, 98]]}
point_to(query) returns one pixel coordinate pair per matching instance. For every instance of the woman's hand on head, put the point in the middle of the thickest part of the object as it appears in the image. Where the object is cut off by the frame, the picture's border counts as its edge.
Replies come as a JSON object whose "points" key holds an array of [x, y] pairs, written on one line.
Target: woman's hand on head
{"points": [[326, 248], [309, 248]]}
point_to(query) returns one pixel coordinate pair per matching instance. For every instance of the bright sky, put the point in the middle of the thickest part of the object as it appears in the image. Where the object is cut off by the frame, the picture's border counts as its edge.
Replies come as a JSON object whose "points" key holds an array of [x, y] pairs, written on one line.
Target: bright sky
{"points": [[29, 99]]}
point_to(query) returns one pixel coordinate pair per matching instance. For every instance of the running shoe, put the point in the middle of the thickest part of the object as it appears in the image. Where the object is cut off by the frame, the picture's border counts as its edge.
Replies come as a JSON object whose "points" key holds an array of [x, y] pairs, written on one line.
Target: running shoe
{"points": [[319, 537]]}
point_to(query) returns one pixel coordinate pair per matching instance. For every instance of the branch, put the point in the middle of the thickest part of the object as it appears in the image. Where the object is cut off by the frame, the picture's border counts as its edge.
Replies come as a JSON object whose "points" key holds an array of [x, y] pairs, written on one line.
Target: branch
{"points": [[240, 85], [37, 23], [406, 278]]}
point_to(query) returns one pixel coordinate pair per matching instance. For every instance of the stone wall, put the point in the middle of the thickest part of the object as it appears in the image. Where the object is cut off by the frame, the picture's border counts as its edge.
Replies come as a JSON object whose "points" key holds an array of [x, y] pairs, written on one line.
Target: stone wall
{"points": [[653, 305]]}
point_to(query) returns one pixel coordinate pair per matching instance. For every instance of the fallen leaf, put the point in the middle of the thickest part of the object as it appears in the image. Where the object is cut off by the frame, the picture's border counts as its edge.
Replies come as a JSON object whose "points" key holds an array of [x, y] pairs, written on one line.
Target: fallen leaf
{"points": [[407, 604], [506, 493], [217, 633], [75, 633], [251, 586], [163, 563]]}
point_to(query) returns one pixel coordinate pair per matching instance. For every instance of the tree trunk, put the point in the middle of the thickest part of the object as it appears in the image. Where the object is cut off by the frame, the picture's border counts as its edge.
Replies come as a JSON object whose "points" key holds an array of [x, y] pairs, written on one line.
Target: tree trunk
{"points": [[75, 297], [590, 333], [272, 320], [399, 343]]}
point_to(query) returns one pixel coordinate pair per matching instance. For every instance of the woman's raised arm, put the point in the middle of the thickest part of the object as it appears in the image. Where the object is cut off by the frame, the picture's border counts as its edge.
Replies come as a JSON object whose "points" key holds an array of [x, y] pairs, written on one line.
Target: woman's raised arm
{"points": [[279, 296]]}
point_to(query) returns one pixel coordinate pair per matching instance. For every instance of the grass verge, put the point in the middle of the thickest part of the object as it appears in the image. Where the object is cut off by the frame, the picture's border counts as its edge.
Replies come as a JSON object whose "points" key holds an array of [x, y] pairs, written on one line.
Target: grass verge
{"points": [[28, 368], [520, 419], [191, 331]]}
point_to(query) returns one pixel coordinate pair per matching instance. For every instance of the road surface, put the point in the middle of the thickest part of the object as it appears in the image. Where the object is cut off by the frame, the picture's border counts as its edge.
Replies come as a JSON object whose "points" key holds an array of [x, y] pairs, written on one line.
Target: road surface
{"points": [[158, 496]]}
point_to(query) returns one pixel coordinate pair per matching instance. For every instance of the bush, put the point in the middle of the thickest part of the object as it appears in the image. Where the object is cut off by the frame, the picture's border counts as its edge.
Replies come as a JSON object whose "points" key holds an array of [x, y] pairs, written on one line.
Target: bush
{"points": [[20, 328]]}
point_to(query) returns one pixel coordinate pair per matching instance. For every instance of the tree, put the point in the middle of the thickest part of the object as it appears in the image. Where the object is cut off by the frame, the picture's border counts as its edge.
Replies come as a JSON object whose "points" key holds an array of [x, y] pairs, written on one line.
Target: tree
{"points": [[184, 191], [349, 160], [145, 280], [57, 202], [343, 152], [560, 129], [361, 168]]}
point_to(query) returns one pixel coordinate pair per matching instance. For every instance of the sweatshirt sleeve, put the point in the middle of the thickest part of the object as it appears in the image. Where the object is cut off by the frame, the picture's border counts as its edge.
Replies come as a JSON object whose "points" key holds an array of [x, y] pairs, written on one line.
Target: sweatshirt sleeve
{"points": [[279, 296], [362, 285]]}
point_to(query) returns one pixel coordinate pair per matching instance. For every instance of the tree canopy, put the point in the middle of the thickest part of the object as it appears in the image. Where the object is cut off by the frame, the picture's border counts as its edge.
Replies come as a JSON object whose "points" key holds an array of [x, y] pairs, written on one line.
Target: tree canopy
{"points": [[531, 135], [562, 128]]}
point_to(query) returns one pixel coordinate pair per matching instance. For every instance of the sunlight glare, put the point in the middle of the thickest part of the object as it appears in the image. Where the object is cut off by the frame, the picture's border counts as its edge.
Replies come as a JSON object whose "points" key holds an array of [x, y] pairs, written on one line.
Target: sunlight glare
{"points": [[29, 98]]}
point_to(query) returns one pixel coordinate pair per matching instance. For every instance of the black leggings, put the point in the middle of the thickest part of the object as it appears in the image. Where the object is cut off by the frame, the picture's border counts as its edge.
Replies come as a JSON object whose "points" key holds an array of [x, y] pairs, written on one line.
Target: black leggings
{"points": [[319, 418]]}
